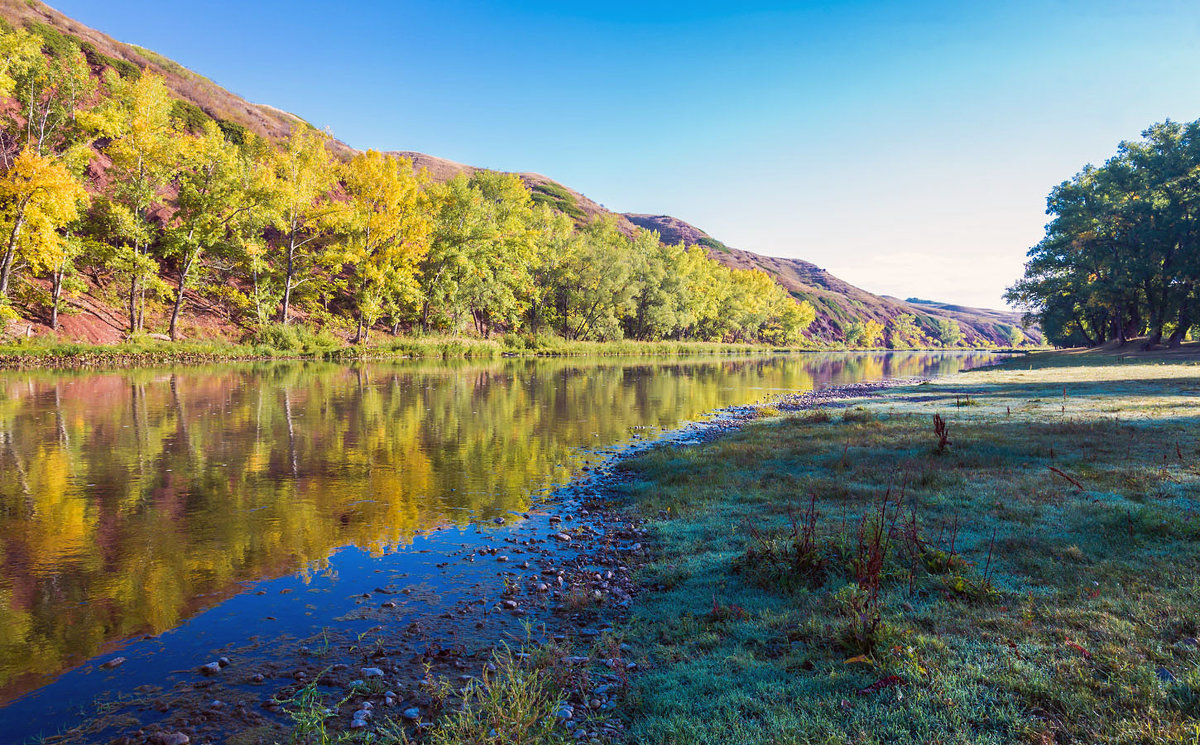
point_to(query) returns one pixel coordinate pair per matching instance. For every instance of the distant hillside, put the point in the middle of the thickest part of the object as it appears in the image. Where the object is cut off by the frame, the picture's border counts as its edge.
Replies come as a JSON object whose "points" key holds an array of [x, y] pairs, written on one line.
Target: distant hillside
{"points": [[838, 303]]}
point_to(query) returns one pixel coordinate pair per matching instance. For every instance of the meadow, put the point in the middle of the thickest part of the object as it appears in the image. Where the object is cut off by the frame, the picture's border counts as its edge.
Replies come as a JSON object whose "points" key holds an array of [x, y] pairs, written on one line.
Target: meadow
{"points": [[1024, 571]]}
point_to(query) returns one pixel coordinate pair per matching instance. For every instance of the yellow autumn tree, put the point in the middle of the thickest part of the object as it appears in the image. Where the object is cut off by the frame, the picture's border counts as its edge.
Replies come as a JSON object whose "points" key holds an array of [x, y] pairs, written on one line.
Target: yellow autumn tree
{"points": [[38, 196], [304, 175], [385, 225]]}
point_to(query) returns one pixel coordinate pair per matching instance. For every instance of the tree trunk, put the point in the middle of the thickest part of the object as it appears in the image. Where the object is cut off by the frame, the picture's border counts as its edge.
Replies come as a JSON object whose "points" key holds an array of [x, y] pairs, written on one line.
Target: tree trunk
{"points": [[55, 295], [10, 254], [1183, 325], [1155, 338], [287, 283], [133, 288], [179, 287]]}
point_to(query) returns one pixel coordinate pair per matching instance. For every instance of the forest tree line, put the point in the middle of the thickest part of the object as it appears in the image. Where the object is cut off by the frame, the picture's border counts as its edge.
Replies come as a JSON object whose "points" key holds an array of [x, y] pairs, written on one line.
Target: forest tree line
{"points": [[1121, 255], [109, 184]]}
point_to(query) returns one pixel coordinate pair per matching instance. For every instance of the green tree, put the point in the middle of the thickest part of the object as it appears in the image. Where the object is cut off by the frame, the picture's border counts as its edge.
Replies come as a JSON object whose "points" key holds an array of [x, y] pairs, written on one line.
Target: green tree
{"points": [[949, 333], [865, 333], [144, 149]]}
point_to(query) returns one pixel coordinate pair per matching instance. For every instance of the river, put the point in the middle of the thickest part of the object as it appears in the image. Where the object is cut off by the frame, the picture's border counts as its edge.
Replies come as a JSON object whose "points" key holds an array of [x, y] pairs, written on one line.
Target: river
{"points": [[163, 513]]}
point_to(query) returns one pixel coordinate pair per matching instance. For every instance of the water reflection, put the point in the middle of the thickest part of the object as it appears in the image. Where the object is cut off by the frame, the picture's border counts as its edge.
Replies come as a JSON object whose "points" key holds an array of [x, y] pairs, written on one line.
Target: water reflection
{"points": [[129, 500]]}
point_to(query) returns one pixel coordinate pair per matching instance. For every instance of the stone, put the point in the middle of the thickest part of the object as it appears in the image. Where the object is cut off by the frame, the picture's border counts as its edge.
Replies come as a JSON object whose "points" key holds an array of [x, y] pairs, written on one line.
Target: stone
{"points": [[172, 738], [211, 668], [562, 537], [412, 714], [1164, 675], [223, 661], [372, 672], [114, 662]]}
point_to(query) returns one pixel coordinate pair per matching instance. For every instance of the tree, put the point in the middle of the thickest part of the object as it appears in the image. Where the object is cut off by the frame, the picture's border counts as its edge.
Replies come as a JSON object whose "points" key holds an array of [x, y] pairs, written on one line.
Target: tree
{"points": [[304, 176], [385, 226], [1120, 254], [904, 333], [19, 51], [499, 281], [864, 333], [1014, 336], [221, 192], [38, 196], [949, 333], [52, 92], [144, 148], [598, 292]]}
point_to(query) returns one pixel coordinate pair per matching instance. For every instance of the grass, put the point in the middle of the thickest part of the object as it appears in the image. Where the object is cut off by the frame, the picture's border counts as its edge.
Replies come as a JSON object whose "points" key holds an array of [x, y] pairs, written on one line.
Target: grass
{"points": [[515, 701], [276, 341], [830, 577]]}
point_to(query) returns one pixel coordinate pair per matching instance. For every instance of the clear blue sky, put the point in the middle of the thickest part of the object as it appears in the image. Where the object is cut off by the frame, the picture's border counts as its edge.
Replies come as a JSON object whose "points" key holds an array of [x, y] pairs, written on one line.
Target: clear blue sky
{"points": [[907, 147]]}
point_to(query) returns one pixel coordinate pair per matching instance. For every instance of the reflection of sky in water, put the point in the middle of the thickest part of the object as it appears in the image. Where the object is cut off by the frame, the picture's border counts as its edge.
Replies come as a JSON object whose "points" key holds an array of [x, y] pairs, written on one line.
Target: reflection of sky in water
{"points": [[132, 500]]}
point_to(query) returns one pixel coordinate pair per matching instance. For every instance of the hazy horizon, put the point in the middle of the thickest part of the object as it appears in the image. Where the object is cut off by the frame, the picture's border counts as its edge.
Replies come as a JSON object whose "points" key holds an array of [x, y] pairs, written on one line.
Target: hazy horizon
{"points": [[907, 149]]}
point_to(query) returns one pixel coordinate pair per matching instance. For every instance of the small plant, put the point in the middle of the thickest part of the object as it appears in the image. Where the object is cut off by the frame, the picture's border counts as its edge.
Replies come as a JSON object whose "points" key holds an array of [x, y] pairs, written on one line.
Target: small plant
{"points": [[797, 559], [941, 432], [517, 703], [308, 714], [863, 611]]}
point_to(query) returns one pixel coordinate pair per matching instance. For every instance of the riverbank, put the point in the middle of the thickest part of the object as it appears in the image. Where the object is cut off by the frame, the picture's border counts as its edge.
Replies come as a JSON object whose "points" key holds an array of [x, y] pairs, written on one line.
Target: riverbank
{"points": [[38, 353], [847, 571]]}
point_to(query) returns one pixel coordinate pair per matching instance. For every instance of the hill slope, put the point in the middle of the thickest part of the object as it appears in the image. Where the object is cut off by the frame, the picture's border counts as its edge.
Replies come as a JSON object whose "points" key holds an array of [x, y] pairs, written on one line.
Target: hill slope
{"points": [[838, 303]]}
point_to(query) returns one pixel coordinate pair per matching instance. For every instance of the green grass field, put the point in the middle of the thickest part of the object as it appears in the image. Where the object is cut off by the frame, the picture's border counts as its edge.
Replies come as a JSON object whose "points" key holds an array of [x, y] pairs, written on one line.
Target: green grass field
{"points": [[831, 577]]}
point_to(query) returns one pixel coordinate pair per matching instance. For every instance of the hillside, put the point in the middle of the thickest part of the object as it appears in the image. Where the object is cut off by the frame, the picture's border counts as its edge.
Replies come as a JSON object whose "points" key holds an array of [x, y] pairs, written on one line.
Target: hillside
{"points": [[837, 302]]}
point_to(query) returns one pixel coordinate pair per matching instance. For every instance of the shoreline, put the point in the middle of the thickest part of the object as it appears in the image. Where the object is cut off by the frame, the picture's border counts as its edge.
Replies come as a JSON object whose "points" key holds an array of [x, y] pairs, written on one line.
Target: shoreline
{"points": [[74, 357], [576, 592]]}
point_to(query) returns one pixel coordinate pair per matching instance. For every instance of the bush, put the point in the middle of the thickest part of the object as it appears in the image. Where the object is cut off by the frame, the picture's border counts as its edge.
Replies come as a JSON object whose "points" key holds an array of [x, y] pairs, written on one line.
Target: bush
{"points": [[191, 116], [293, 338]]}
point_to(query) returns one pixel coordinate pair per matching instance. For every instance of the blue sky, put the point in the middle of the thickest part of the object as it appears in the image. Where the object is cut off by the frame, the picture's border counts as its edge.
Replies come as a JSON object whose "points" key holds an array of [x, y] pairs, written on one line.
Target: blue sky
{"points": [[906, 147]]}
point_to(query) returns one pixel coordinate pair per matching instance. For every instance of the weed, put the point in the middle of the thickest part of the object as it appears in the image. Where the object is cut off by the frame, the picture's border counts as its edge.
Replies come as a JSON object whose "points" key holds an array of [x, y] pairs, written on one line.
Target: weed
{"points": [[941, 432]]}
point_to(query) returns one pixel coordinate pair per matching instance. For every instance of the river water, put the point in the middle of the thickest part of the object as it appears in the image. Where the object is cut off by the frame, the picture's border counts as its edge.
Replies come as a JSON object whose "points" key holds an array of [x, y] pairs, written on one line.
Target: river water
{"points": [[162, 514]]}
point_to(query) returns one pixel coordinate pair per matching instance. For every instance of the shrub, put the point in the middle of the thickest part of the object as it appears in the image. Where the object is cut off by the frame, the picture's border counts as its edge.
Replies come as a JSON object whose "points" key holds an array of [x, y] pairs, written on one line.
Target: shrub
{"points": [[293, 338]]}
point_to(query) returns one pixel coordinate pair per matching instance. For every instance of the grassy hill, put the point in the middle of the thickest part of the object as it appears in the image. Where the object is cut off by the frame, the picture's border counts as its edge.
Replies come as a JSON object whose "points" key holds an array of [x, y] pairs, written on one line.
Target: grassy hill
{"points": [[838, 303]]}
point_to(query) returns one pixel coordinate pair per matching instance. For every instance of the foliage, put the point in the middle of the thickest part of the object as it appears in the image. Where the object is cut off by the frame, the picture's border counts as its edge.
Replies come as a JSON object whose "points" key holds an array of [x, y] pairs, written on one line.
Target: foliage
{"points": [[188, 206], [865, 333], [1121, 256], [948, 332]]}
